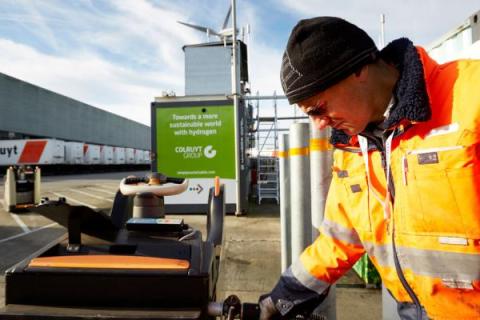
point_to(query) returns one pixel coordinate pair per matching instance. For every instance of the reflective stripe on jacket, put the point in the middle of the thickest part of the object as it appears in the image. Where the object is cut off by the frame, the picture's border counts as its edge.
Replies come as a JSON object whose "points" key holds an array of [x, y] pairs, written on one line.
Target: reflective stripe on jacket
{"points": [[435, 222]]}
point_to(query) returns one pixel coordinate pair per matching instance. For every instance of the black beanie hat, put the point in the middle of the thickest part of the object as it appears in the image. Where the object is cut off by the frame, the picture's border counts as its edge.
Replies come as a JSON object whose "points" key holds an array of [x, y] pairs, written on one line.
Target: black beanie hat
{"points": [[321, 52]]}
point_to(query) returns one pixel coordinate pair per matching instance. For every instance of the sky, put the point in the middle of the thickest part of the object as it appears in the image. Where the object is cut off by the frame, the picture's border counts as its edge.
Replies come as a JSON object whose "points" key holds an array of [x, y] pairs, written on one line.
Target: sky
{"points": [[117, 55]]}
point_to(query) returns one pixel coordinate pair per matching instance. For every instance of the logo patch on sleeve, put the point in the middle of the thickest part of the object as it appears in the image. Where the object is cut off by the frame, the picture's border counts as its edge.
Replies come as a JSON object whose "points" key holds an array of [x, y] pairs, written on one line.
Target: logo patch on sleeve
{"points": [[342, 174], [355, 188]]}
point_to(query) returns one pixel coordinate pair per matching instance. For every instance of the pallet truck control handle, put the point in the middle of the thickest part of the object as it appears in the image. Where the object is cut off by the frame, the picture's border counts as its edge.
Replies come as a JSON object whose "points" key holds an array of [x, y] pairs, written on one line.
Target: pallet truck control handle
{"points": [[159, 185], [232, 308]]}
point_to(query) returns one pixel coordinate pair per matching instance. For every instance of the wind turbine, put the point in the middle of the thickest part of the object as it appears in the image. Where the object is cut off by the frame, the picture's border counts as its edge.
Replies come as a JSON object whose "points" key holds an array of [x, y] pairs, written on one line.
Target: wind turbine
{"points": [[225, 33]]}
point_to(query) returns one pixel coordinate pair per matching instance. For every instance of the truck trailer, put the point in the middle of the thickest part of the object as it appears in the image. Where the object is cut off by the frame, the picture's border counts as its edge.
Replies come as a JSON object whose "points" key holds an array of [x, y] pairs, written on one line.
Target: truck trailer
{"points": [[91, 154], [118, 155], [32, 152], [56, 155], [106, 155], [129, 156], [73, 152]]}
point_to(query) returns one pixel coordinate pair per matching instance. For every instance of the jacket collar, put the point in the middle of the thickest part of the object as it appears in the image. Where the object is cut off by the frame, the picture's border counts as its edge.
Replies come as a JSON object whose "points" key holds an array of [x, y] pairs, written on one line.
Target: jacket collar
{"points": [[410, 91]]}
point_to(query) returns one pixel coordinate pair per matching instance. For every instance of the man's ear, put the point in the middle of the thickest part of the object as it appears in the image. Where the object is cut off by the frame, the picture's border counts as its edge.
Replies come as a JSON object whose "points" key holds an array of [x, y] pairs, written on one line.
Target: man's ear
{"points": [[362, 73]]}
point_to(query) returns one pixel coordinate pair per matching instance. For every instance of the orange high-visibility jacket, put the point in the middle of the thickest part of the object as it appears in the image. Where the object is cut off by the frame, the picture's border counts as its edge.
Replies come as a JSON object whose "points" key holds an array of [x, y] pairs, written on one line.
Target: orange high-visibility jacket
{"points": [[431, 225]]}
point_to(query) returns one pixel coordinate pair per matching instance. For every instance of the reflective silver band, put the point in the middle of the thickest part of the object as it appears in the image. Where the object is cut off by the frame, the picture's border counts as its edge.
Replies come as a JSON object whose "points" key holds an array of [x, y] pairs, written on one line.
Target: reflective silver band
{"points": [[432, 263], [306, 279], [382, 253], [441, 264], [339, 232]]}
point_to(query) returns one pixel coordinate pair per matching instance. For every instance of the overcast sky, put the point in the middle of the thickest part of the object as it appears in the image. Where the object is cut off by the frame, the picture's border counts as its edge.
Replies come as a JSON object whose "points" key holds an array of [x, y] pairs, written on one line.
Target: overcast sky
{"points": [[118, 55]]}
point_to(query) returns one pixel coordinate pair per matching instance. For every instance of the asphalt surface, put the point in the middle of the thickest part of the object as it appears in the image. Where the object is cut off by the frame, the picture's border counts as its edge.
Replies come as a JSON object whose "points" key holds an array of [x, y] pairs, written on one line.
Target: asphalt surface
{"points": [[250, 263]]}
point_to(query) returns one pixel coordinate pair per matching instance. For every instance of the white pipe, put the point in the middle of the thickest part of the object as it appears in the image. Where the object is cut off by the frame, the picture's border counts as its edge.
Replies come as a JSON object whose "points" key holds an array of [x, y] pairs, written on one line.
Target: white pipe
{"points": [[321, 174], [238, 191], [382, 30], [301, 222], [285, 223]]}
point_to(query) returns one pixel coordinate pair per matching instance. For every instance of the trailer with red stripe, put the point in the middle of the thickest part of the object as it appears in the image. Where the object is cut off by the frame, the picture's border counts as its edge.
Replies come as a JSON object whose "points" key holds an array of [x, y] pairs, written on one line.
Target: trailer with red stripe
{"points": [[32, 152], [146, 156], [118, 155], [139, 156], [91, 154], [59, 156], [129, 156], [106, 155]]}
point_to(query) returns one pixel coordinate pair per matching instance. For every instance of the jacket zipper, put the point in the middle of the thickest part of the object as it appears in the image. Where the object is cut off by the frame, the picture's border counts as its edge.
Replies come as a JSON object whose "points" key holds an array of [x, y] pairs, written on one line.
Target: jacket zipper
{"points": [[401, 276], [380, 144]]}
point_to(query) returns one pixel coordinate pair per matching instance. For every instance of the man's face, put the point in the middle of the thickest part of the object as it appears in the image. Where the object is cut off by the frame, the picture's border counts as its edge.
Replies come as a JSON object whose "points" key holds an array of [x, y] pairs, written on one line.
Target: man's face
{"points": [[343, 106]]}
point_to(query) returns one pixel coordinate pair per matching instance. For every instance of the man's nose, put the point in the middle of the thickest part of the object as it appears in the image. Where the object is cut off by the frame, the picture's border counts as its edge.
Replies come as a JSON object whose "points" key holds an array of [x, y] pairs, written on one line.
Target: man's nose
{"points": [[320, 122]]}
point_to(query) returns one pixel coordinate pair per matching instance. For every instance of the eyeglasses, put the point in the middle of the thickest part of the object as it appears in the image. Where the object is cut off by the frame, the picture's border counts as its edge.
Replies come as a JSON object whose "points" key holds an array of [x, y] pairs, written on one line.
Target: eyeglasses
{"points": [[318, 109]]}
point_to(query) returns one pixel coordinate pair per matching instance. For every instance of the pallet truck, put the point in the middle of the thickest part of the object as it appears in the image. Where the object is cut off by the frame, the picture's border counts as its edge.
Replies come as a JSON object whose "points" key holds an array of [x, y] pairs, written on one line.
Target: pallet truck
{"points": [[22, 188], [130, 263]]}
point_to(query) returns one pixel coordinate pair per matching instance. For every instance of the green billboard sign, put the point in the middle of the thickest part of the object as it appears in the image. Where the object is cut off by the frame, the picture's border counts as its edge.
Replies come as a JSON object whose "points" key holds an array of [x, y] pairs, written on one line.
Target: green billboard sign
{"points": [[195, 141]]}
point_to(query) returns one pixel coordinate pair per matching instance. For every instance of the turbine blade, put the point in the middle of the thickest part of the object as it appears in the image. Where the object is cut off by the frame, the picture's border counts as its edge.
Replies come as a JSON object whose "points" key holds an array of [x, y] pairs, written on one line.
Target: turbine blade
{"points": [[214, 32], [225, 22], [200, 28]]}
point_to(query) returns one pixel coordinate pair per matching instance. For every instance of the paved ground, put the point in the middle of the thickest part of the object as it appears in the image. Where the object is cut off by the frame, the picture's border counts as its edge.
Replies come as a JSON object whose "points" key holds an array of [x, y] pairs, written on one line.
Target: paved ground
{"points": [[251, 255], [251, 265]]}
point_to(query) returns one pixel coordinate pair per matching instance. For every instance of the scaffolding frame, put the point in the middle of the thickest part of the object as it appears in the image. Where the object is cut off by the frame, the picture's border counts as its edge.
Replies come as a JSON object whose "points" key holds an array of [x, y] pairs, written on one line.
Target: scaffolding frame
{"points": [[266, 131]]}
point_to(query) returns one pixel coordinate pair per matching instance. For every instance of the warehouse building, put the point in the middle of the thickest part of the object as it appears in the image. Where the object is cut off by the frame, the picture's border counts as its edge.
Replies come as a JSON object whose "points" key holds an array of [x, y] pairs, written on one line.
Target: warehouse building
{"points": [[28, 111]]}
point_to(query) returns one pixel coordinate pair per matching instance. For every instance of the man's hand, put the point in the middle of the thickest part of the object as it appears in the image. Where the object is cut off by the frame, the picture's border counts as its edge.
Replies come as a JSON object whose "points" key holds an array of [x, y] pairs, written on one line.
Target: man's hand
{"points": [[267, 308]]}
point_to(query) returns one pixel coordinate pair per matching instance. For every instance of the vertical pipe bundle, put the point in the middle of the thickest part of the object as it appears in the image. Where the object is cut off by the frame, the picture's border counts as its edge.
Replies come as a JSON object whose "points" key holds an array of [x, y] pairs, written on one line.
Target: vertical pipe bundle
{"points": [[305, 175]]}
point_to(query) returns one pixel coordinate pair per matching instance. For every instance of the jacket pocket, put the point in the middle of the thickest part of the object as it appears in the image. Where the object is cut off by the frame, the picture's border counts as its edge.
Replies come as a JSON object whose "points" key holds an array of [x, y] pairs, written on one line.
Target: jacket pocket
{"points": [[446, 190]]}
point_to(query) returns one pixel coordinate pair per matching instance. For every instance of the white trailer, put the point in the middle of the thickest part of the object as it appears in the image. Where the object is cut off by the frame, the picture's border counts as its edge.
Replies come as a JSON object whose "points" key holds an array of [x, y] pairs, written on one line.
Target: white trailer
{"points": [[129, 155], [146, 156], [138, 154], [32, 152], [118, 155], [106, 155], [91, 154], [73, 152]]}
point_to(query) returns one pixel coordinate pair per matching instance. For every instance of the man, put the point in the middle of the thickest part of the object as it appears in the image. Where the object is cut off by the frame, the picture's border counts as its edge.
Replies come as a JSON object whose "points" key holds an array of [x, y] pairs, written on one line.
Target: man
{"points": [[406, 173]]}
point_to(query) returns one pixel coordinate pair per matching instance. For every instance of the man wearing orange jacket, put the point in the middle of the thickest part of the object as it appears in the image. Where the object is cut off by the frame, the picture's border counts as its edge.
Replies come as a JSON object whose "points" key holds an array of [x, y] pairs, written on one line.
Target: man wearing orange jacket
{"points": [[406, 180]]}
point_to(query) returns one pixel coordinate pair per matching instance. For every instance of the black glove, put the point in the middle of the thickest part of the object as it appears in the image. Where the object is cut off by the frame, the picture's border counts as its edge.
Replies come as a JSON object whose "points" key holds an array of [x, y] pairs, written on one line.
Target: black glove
{"points": [[289, 298], [267, 308]]}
